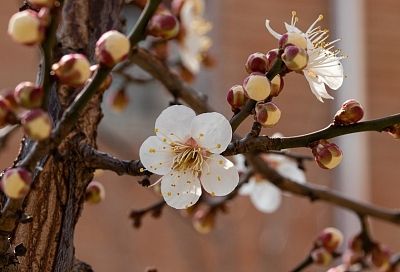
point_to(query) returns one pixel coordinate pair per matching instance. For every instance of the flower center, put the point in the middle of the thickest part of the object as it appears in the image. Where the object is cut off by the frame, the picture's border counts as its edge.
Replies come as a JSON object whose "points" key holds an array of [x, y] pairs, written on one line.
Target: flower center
{"points": [[188, 156]]}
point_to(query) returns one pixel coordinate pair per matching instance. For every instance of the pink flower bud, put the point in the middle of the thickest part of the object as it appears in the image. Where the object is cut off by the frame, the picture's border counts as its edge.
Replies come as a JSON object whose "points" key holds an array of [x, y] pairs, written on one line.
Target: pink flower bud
{"points": [[112, 48], [350, 112], [236, 97], [321, 256], [72, 70], [293, 38], [164, 25], [330, 239], [37, 124], [6, 114], [394, 131], [119, 100], [42, 3], [95, 192], [276, 85], [256, 62], [16, 183], [10, 99], [257, 86], [267, 114], [295, 58], [28, 95], [203, 221], [272, 56], [25, 27], [176, 6], [326, 154]]}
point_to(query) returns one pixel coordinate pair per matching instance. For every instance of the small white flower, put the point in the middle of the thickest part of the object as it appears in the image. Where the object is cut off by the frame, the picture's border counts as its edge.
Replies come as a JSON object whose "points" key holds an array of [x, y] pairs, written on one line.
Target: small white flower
{"points": [[265, 196], [194, 43], [324, 65], [186, 152]]}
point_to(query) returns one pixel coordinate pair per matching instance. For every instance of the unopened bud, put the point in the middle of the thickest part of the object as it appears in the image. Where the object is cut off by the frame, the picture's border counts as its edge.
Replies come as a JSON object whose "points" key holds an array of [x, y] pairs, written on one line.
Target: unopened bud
{"points": [[95, 192], [326, 154], [112, 48], [37, 124], [380, 257], [28, 95], [351, 112], [293, 38], [330, 239], [356, 244], [25, 28], [276, 85], [119, 100], [295, 58], [267, 114], [256, 62], [176, 6], [164, 25], [257, 86], [236, 97], [16, 183], [6, 114], [394, 131], [351, 257], [272, 57], [321, 256], [10, 99], [72, 70], [42, 3], [203, 221]]}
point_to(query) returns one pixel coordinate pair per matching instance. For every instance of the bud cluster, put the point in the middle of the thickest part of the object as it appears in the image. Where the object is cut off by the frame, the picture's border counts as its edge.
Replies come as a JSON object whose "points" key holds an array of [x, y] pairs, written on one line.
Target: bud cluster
{"points": [[327, 242]]}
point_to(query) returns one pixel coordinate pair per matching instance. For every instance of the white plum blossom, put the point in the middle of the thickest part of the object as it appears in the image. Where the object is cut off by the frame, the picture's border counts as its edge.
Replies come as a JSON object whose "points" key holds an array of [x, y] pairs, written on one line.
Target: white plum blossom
{"points": [[194, 43], [264, 195], [186, 151], [324, 67]]}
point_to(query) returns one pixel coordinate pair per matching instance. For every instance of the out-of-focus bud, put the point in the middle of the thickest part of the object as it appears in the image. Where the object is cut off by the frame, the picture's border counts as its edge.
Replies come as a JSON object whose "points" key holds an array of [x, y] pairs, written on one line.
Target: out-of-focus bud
{"points": [[95, 192], [10, 99], [236, 97], [203, 221], [256, 62], [72, 70], [292, 38], [394, 131], [112, 48], [25, 28], [119, 100], [356, 244], [106, 83], [44, 16], [185, 74], [351, 257], [267, 114], [276, 85], [164, 25], [340, 268], [272, 56], [326, 154], [295, 58], [16, 182], [207, 59], [176, 6], [321, 256], [42, 3], [351, 112], [37, 124], [6, 114], [257, 86], [330, 239], [380, 257], [28, 95]]}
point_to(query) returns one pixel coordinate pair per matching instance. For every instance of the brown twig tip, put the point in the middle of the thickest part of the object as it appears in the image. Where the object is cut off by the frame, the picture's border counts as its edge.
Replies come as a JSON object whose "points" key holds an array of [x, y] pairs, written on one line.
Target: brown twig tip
{"points": [[154, 210]]}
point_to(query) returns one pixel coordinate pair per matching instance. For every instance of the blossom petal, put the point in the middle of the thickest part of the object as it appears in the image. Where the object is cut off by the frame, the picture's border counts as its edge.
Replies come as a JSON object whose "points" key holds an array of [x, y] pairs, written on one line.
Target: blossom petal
{"points": [[156, 155], [266, 197], [173, 124], [317, 88], [180, 189], [332, 75], [212, 131], [271, 31], [248, 187], [293, 29], [289, 169], [219, 176]]}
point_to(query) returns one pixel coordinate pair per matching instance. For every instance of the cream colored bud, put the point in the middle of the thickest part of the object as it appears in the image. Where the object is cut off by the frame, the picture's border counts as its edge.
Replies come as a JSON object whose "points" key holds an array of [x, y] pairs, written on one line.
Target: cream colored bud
{"points": [[293, 38], [257, 86], [25, 28], [95, 192], [267, 114], [164, 25], [330, 239], [236, 97], [327, 155], [112, 48], [72, 70], [37, 124], [295, 58], [28, 95], [16, 182], [203, 221], [321, 256], [276, 85]]}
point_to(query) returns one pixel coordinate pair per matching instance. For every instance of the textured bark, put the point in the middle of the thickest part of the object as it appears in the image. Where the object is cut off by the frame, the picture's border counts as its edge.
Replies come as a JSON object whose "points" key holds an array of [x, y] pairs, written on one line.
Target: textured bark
{"points": [[57, 196]]}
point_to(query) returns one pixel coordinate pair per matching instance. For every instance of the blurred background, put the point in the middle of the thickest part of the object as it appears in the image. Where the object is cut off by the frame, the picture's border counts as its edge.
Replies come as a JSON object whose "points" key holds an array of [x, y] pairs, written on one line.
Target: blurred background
{"points": [[245, 239]]}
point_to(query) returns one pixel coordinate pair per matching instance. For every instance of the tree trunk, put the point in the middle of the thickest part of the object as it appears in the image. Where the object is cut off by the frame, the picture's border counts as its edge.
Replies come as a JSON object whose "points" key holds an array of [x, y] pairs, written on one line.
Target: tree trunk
{"points": [[57, 195]]}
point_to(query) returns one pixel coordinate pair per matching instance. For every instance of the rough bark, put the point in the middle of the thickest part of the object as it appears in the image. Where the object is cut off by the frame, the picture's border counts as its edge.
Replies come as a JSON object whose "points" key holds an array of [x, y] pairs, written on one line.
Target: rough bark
{"points": [[57, 196]]}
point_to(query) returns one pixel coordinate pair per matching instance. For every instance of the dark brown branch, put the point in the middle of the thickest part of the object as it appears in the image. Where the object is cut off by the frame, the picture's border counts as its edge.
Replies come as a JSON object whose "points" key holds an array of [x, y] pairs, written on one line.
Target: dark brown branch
{"points": [[100, 160], [80, 266]]}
